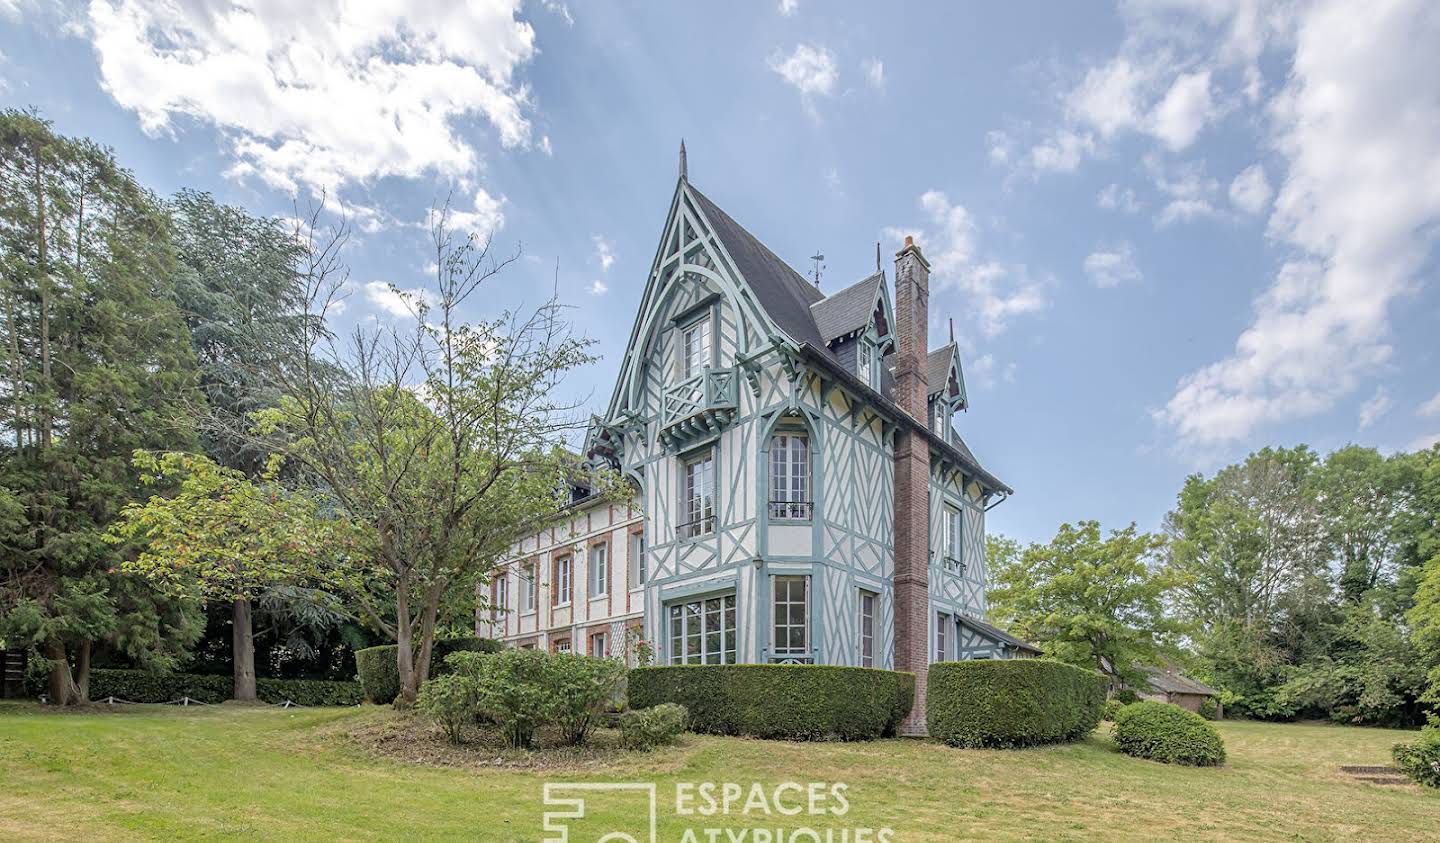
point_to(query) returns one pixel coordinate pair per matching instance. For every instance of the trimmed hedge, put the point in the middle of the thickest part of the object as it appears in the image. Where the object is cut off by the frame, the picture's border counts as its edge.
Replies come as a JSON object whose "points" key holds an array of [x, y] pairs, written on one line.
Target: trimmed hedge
{"points": [[904, 701], [378, 668], [1167, 733], [143, 687], [1013, 702], [784, 702]]}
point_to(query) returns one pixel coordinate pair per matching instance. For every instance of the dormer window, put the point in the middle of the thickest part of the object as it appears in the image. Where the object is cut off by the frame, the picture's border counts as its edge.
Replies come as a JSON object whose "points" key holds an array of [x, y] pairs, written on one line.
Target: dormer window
{"points": [[867, 364]]}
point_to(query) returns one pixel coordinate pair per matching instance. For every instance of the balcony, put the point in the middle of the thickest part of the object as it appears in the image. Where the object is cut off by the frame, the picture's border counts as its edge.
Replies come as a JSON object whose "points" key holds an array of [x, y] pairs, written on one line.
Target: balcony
{"points": [[699, 406]]}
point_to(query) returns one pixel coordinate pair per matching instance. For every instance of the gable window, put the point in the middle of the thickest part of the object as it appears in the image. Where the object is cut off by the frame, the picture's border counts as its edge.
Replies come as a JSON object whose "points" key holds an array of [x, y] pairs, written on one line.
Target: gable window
{"points": [[527, 587], [790, 477], [868, 601], [597, 645], [867, 364], [792, 619], [560, 582], [703, 631], [699, 490], [599, 571], [942, 625], [954, 555], [695, 347], [637, 559]]}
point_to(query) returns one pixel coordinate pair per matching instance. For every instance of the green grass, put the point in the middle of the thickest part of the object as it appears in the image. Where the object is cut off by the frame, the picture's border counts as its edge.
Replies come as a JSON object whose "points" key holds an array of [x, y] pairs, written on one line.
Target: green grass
{"points": [[210, 773]]}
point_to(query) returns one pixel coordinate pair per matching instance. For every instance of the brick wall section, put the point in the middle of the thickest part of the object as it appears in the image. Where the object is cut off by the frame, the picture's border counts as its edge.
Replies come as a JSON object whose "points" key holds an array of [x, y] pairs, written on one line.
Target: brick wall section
{"points": [[912, 478]]}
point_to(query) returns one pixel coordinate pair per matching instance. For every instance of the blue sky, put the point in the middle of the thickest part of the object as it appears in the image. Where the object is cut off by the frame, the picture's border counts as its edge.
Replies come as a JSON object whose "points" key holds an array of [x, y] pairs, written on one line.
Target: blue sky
{"points": [[1168, 232]]}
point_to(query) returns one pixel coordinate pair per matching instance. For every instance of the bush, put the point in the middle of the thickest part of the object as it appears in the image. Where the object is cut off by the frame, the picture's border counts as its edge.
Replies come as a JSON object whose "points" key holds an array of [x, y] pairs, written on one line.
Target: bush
{"points": [[1009, 703], [1421, 760], [1167, 733], [786, 702], [1210, 709], [515, 688], [451, 701], [583, 686], [378, 668], [647, 728], [144, 687], [904, 701], [1127, 696], [1111, 708]]}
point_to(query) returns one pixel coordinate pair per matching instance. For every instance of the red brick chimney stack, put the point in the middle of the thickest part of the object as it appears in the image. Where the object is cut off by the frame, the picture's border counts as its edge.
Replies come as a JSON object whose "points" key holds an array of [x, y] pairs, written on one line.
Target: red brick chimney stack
{"points": [[912, 477]]}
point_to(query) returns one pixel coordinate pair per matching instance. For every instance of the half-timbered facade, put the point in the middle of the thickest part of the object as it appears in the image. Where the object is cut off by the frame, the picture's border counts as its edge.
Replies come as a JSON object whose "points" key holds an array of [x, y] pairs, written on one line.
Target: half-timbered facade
{"points": [[802, 493]]}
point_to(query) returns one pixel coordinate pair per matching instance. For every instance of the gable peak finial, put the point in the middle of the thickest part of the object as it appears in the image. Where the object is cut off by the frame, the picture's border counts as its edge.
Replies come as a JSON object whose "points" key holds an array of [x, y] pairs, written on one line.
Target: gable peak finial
{"points": [[878, 268], [952, 330], [684, 170]]}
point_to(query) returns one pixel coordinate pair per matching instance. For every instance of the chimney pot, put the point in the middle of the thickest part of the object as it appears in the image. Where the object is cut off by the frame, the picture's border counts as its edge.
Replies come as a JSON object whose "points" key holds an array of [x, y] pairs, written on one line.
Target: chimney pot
{"points": [[909, 241]]}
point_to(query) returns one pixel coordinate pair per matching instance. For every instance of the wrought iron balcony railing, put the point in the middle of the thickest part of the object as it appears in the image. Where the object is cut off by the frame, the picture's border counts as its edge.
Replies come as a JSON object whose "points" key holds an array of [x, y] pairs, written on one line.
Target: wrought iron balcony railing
{"points": [[699, 527], [791, 510], [789, 658], [699, 405]]}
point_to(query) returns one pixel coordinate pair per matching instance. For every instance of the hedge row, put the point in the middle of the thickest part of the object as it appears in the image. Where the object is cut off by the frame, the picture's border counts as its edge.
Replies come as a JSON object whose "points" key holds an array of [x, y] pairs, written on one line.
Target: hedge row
{"points": [[143, 687], [378, 668], [1015, 702], [785, 702]]}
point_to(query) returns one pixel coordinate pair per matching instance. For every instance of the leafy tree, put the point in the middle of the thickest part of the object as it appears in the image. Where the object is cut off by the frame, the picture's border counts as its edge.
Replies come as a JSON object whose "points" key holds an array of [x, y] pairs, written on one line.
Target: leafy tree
{"points": [[96, 363], [1363, 498], [228, 538], [1424, 616], [1091, 601]]}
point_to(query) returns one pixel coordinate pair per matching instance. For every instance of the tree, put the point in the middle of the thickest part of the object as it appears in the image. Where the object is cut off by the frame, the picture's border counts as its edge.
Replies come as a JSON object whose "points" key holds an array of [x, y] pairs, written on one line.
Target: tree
{"points": [[96, 363], [442, 444], [1424, 615], [226, 537], [1091, 601], [1363, 497]]}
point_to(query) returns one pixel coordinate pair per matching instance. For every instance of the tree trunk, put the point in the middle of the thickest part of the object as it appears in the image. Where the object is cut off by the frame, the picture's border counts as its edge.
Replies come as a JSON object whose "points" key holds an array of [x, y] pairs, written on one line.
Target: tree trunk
{"points": [[243, 651], [82, 674], [404, 651], [44, 279], [61, 687]]}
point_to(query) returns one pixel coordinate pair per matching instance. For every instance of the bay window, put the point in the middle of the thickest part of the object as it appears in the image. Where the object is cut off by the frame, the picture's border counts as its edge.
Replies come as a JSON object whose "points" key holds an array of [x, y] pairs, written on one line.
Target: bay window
{"points": [[702, 631]]}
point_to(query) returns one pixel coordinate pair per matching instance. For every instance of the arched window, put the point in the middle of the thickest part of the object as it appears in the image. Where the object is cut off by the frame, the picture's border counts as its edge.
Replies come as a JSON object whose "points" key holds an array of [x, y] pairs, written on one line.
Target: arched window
{"points": [[790, 482]]}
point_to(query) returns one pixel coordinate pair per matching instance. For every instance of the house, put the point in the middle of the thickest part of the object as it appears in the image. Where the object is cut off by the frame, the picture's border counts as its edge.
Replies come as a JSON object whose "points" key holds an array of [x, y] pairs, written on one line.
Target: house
{"points": [[1174, 687], [802, 493]]}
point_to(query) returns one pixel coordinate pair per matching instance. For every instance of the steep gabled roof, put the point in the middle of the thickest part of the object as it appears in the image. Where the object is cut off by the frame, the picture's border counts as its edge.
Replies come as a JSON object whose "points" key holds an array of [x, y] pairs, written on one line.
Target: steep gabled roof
{"points": [[995, 633], [937, 368], [1170, 682], [848, 310]]}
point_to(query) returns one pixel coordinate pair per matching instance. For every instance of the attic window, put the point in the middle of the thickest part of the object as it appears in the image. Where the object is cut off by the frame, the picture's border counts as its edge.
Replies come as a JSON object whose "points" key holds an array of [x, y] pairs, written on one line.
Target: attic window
{"points": [[882, 328], [867, 364]]}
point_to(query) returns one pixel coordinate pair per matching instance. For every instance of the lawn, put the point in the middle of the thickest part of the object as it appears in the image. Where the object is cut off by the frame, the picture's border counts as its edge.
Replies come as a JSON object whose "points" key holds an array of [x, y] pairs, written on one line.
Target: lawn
{"points": [[165, 773]]}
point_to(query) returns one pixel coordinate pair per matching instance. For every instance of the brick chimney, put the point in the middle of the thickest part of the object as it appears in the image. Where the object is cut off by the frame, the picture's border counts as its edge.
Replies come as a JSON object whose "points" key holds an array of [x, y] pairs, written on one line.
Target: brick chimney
{"points": [[912, 477]]}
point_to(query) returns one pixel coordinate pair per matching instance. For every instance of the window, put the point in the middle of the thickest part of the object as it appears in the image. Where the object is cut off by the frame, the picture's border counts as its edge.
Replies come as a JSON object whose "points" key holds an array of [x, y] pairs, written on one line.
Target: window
{"points": [[597, 646], [867, 364], [637, 559], [699, 509], [792, 614], [599, 570], [937, 423], [527, 587], [942, 626], [954, 554], [502, 593], [563, 646], [560, 584], [695, 348], [868, 600], [703, 631], [790, 477]]}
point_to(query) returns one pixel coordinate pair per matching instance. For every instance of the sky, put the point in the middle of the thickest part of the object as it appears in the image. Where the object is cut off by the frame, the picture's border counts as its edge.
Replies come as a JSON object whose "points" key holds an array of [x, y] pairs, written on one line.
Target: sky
{"points": [[1169, 233]]}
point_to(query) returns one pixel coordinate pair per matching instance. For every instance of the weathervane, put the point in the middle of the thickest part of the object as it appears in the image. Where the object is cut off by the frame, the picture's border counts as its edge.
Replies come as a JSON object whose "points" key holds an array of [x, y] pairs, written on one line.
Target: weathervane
{"points": [[819, 267]]}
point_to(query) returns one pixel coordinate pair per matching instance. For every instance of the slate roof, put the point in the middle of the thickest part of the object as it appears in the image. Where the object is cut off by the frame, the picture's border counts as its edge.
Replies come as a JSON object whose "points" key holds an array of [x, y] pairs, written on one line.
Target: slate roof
{"points": [[937, 367], [1170, 682], [848, 310], [995, 633]]}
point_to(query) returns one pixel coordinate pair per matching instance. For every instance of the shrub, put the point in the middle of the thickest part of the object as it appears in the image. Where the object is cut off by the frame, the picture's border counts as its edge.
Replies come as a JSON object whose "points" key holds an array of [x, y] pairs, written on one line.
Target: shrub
{"points": [[1421, 760], [145, 687], [1167, 733], [1112, 707], [1127, 696], [647, 728], [786, 702], [378, 668], [904, 701], [452, 701], [583, 686], [514, 688], [1017, 702], [1210, 709]]}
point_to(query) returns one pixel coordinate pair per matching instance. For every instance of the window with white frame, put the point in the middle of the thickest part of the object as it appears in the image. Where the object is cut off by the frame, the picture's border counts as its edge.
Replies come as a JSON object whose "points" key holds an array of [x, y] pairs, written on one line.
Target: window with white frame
{"points": [[695, 347], [702, 631], [599, 570], [597, 646], [869, 601], [942, 628], [790, 476], [699, 490], [637, 559], [954, 535], [527, 587], [563, 646], [560, 582], [792, 618], [502, 593], [867, 363]]}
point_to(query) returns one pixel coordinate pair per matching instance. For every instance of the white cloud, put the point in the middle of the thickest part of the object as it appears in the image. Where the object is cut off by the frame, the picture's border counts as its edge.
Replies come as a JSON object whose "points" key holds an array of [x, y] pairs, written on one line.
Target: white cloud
{"points": [[1112, 266], [999, 145], [604, 253], [1375, 408], [996, 292], [1431, 408], [874, 73], [788, 8], [1062, 152], [811, 70], [1424, 442], [598, 288], [1179, 117], [1116, 198], [322, 94], [396, 302], [1250, 191], [1189, 190], [483, 220], [1358, 207], [1108, 98]]}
